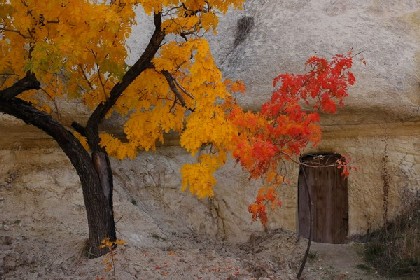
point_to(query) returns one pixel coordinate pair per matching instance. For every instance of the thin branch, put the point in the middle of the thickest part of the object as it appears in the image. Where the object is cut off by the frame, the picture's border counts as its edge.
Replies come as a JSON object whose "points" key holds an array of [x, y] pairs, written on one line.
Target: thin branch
{"points": [[85, 76], [53, 101], [101, 81], [98, 69], [169, 11], [173, 85], [183, 90], [56, 21], [356, 54], [305, 257], [15, 31]]}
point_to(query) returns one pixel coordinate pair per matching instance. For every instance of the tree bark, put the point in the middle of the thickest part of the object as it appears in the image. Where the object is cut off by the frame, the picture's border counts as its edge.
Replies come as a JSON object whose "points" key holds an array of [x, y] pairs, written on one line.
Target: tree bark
{"points": [[106, 227], [94, 172]]}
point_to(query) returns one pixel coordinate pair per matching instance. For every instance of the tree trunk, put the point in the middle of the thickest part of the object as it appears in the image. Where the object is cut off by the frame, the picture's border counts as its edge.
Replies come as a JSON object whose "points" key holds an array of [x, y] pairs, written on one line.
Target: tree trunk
{"points": [[99, 206], [94, 172]]}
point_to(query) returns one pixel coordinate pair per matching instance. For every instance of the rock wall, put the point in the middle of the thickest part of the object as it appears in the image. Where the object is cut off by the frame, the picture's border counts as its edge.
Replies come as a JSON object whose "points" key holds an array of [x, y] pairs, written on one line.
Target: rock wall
{"points": [[387, 173], [379, 128], [282, 34]]}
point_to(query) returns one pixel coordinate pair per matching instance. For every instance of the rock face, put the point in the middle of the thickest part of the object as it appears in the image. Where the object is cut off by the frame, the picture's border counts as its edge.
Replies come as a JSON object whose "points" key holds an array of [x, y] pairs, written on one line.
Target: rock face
{"points": [[379, 128], [281, 35]]}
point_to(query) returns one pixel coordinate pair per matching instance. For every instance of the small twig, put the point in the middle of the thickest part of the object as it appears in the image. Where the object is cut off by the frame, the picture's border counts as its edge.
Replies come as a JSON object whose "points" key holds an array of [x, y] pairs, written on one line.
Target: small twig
{"points": [[98, 69], [8, 74], [116, 222], [85, 76], [53, 101], [15, 31], [183, 90]]}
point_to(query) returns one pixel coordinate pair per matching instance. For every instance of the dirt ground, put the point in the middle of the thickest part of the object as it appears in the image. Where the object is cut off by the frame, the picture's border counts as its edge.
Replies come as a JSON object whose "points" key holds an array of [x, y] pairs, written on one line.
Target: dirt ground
{"points": [[43, 229], [54, 250], [275, 255]]}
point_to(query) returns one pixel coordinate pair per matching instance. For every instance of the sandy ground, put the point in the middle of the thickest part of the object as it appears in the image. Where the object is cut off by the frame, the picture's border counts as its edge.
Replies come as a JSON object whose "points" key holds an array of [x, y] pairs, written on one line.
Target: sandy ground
{"points": [[275, 255], [43, 229]]}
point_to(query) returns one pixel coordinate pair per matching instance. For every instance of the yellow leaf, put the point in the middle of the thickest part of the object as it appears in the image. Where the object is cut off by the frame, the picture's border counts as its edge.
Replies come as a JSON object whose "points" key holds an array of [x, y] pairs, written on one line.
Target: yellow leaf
{"points": [[209, 21]]}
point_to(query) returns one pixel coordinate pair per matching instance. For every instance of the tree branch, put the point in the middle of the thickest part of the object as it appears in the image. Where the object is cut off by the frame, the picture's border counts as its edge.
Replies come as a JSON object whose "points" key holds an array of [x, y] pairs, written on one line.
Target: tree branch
{"points": [[14, 31], [65, 139], [79, 128], [141, 64], [174, 87], [311, 221], [24, 84], [171, 82], [183, 90]]}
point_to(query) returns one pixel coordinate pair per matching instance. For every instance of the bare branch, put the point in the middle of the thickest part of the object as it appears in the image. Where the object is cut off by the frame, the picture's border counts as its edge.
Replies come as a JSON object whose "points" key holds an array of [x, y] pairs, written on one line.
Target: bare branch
{"points": [[98, 69], [183, 90], [85, 76], [173, 85], [141, 64], [54, 101], [15, 31], [27, 83], [79, 128]]}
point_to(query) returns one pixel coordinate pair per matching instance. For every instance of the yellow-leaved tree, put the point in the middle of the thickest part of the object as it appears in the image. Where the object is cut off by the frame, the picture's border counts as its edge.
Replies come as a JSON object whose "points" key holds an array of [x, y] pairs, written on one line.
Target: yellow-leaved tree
{"points": [[53, 49]]}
